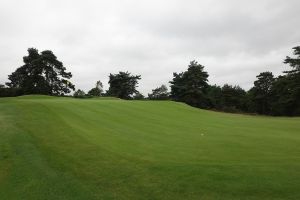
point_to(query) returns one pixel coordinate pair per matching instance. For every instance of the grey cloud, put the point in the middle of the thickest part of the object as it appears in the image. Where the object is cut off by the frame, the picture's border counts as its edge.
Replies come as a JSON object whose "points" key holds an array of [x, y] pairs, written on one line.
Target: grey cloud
{"points": [[234, 39]]}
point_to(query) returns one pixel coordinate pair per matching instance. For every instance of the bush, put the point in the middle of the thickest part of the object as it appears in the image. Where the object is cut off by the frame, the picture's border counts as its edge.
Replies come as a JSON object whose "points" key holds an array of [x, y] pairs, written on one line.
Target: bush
{"points": [[10, 92], [79, 94]]}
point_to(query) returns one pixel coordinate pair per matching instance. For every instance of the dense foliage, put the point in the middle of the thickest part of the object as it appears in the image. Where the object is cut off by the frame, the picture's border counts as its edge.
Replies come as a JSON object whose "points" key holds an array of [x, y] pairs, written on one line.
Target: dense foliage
{"points": [[138, 96], [79, 94], [97, 90], [286, 89], [190, 86], [42, 73], [123, 85], [269, 96], [159, 93], [10, 92]]}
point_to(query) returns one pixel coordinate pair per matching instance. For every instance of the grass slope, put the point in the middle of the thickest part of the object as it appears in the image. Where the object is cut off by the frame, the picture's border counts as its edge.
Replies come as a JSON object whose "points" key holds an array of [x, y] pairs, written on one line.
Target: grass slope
{"points": [[64, 148]]}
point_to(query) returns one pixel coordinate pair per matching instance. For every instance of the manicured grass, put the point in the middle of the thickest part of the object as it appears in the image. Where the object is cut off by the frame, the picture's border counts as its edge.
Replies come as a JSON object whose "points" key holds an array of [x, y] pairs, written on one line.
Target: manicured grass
{"points": [[64, 148]]}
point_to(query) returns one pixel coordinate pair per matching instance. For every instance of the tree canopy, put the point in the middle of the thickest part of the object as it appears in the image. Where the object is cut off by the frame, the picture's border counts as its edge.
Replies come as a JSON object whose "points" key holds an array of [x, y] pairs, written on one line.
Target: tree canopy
{"points": [[286, 89], [123, 85], [159, 93], [190, 86], [260, 94], [232, 98], [79, 94], [138, 96], [41, 73], [97, 90]]}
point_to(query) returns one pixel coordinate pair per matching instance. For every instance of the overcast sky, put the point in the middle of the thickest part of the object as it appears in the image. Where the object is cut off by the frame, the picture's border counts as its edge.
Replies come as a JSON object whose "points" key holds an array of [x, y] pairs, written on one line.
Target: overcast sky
{"points": [[233, 39]]}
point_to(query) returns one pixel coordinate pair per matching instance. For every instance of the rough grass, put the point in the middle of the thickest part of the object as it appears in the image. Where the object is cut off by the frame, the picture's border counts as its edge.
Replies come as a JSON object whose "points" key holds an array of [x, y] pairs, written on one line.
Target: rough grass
{"points": [[65, 148]]}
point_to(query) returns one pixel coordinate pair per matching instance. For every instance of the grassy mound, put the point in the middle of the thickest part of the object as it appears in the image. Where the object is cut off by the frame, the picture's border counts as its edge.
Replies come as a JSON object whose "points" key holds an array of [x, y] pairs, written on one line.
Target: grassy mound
{"points": [[65, 148]]}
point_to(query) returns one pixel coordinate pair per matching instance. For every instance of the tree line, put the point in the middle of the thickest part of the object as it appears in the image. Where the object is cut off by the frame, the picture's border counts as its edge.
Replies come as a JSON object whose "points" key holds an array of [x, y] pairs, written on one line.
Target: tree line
{"points": [[42, 73]]}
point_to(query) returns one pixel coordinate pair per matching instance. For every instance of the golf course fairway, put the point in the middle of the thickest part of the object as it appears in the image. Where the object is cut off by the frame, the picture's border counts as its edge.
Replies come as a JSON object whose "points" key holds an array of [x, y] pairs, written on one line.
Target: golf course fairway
{"points": [[64, 148]]}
